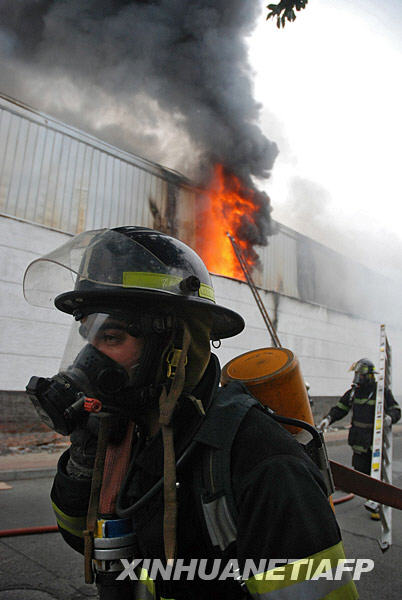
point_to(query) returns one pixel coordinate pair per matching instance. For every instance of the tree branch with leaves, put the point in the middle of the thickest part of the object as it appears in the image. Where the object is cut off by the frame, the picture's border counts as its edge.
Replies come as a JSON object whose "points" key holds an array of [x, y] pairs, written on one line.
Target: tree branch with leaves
{"points": [[285, 11]]}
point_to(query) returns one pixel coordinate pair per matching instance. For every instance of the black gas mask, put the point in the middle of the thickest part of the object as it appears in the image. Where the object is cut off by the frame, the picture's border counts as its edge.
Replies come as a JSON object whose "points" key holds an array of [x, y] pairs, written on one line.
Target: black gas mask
{"points": [[92, 384], [96, 383], [360, 379]]}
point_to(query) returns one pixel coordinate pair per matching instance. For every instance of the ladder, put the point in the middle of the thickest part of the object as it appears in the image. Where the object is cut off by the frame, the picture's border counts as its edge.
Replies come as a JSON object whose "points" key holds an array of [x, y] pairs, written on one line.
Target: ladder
{"points": [[381, 461]]}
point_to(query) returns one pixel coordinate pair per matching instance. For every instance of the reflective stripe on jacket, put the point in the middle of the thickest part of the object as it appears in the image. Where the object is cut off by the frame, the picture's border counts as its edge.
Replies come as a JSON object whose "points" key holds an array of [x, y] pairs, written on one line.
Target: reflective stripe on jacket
{"points": [[74, 525], [316, 577], [362, 402]]}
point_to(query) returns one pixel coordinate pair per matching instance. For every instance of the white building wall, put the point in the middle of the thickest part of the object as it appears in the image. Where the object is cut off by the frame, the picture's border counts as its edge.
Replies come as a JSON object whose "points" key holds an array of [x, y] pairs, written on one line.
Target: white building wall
{"points": [[32, 340], [326, 342]]}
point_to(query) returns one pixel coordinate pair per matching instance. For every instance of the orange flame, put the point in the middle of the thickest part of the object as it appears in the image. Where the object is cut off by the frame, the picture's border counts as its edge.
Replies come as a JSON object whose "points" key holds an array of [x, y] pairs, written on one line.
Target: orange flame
{"points": [[227, 207]]}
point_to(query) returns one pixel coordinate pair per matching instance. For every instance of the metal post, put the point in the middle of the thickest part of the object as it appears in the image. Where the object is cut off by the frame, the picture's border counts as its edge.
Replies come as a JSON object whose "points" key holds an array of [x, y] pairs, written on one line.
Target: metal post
{"points": [[268, 323]]}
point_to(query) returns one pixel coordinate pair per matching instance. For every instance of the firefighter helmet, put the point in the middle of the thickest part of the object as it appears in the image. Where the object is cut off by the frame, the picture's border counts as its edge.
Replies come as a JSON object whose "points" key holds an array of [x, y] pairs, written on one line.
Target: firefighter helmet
{"points": [[364, 366], [128, 266], [364, 371]]}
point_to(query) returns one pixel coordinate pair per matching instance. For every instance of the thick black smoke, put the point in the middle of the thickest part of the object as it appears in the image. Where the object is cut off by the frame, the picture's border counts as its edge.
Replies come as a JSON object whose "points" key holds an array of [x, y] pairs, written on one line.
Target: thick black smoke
{"points": [[188, 57]]}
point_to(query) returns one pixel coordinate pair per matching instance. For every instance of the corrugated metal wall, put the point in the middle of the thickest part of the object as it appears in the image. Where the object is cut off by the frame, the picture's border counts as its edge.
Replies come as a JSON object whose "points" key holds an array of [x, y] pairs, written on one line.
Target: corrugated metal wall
{"points": [[278, 271], [59, 177]]}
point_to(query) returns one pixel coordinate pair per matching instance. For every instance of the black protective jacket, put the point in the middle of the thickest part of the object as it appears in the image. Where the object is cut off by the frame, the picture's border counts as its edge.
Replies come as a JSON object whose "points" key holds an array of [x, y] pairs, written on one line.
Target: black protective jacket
{"points": [[283, 510], [362, 402]]}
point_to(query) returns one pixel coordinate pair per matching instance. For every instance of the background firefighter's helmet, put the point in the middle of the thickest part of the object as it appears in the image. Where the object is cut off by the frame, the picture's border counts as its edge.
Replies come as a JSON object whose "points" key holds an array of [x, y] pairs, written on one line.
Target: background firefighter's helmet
{"points": [[364, 371], [128, 266]]}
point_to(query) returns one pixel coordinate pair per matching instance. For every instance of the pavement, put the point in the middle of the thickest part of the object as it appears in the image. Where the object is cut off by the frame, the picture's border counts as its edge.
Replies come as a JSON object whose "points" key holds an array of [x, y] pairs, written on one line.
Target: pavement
{"points": [[40, 459], [28, 454]]}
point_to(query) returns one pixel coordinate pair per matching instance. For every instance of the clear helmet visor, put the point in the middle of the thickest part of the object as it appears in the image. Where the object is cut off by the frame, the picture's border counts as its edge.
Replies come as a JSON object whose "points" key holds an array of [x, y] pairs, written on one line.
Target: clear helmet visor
{"points": [[104, 259], [108, 333]]}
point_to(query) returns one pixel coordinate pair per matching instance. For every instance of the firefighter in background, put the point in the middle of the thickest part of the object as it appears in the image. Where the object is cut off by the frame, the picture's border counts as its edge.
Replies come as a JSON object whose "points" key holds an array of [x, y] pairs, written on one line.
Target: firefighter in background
{"points": [[361, 398], [145, 312]]}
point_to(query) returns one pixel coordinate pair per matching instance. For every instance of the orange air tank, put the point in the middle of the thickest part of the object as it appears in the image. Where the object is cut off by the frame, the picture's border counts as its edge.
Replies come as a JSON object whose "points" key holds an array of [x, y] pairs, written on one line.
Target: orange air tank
{"points": [[274, 377]]}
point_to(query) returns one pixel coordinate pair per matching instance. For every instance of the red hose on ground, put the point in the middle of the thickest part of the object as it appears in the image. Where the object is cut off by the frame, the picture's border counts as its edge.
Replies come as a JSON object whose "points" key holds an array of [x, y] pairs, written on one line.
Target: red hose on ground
{"points": [[53, 528], [28, 531], [343, 499]]}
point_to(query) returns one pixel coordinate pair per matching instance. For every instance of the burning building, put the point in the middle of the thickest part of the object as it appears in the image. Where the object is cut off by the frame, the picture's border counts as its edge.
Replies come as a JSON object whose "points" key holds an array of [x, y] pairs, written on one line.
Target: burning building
{"points": [[229, 206], [56, 181]]}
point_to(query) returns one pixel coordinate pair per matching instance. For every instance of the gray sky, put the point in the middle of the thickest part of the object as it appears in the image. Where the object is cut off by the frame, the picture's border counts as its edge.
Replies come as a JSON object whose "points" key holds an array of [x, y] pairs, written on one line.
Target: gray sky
{"points": [[331, 87]]}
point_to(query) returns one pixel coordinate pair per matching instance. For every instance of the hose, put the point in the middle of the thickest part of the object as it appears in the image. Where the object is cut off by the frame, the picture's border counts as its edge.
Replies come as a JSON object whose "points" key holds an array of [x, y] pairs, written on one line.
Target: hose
{"points": [[343, 499], [28, 531], [127, 512]]}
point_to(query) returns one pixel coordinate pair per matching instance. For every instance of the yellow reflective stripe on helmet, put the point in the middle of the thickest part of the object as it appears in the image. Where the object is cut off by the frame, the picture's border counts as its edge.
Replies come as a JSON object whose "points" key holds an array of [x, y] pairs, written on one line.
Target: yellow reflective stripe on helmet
{"points": [[161, 281], [74, 525], [206, 291], [301, 579]]}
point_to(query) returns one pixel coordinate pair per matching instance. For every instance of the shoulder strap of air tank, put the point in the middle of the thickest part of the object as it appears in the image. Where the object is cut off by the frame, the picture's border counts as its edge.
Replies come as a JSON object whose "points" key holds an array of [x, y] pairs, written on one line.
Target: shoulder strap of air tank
{"points": [[213, 480]]}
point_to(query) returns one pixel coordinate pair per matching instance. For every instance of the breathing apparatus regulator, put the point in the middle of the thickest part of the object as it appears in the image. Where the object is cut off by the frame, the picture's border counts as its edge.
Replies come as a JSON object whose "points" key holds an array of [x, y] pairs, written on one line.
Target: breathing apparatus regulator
{"points": [[95, 383]]}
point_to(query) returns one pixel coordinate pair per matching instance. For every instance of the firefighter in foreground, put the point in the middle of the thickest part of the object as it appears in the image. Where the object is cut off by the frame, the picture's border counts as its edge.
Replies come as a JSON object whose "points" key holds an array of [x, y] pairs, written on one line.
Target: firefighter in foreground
{"points": [[361, 398], [192, 470]]}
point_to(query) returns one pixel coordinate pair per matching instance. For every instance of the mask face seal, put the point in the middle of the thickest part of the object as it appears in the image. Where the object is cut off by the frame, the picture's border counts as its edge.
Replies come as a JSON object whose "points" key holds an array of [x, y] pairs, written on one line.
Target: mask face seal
{"points": [[98, 375], [110, 335], [111, 364]]}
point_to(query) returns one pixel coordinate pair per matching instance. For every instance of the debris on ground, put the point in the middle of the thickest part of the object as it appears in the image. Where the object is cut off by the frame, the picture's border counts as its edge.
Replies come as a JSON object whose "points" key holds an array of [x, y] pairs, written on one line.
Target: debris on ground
{"points": [[22, 438]]}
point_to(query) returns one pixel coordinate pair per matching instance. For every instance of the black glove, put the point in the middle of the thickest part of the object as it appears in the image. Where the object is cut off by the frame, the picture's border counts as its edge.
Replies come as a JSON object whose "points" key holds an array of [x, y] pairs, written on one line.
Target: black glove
{"points": [[84, 440]]}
